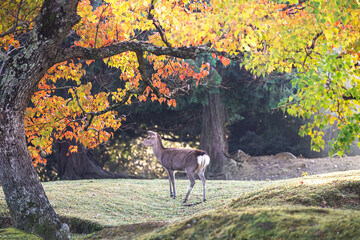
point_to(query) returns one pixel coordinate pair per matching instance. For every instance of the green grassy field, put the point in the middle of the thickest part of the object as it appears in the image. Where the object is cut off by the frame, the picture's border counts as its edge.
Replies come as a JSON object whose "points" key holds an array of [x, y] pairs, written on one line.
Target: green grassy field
{"points": [[315, 207]]}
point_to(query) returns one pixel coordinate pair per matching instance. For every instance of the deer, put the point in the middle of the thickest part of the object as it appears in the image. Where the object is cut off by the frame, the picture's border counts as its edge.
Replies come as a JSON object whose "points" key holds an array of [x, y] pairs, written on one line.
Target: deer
{"points": [[179, 159]]}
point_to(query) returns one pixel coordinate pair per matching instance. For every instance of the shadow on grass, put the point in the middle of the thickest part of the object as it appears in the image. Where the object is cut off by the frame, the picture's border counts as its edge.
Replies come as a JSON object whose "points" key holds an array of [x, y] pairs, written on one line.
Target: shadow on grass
{"points": [[129, 231]]}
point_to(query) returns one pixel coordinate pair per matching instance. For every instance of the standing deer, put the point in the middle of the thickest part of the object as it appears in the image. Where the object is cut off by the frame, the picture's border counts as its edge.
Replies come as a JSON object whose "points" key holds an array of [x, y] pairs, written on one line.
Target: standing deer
{"points": [[178, 159]]}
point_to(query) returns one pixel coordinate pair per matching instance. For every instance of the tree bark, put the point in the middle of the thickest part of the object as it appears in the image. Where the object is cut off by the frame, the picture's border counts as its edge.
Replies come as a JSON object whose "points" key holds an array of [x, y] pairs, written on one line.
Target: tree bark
{"points": [[26, 199], [213, 136]]}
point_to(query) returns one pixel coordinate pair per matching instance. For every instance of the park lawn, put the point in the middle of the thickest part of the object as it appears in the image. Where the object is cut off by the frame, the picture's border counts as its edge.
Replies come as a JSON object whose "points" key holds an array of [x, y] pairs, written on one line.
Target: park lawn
{"points": [[88, 205], [126, 201], [315, 207]]}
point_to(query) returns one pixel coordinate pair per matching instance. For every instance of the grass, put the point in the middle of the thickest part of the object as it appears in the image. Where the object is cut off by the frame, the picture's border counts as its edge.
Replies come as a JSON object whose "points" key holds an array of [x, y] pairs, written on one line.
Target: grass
{"points": [[125, 201], [86, 204], [316, 207]]}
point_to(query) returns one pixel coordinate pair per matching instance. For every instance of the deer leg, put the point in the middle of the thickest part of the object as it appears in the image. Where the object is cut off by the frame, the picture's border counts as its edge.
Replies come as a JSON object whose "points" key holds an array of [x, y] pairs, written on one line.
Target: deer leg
{"points": [[192, 183], [203, 179], [172, 182], [171, 192]]}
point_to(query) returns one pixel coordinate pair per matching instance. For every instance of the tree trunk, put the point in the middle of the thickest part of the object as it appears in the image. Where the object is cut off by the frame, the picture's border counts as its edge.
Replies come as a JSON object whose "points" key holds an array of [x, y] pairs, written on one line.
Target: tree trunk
{"points": [[72, 166], [213, 136], [26, 199]]}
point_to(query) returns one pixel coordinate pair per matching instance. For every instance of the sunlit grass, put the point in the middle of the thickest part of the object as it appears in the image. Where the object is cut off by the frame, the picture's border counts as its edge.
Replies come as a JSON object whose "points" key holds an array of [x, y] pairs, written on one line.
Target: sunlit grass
{"points": [[123, 201]]}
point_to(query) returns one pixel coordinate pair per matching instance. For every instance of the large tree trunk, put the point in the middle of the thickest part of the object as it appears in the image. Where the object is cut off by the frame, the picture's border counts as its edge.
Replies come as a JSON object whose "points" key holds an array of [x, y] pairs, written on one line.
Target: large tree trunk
{"points": [[29, 207], [213, 136], [26, 199], [72, 166]]}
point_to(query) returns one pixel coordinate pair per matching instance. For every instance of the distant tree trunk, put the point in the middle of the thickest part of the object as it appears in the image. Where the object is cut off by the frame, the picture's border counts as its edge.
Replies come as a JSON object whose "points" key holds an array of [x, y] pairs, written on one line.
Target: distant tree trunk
{"points": [[73, 166], [213, 135]]}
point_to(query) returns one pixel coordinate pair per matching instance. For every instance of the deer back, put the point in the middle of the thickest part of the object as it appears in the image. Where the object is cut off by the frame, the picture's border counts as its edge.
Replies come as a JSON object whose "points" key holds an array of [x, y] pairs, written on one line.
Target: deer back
{"points": [[180, 159]]}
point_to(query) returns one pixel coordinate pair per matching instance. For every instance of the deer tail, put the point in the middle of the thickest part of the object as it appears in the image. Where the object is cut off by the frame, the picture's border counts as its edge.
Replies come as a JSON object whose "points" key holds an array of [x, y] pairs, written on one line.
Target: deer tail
{"points": [[203, 161]]}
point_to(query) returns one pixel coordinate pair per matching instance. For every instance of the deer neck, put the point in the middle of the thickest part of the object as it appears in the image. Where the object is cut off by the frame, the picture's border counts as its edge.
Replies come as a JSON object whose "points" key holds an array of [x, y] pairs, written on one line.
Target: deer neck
{"points": [[158, 148]]}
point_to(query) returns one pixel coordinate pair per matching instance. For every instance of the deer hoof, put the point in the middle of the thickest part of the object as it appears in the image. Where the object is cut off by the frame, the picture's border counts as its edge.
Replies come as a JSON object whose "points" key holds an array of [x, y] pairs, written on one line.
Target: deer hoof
{"points": [[204, 200]]}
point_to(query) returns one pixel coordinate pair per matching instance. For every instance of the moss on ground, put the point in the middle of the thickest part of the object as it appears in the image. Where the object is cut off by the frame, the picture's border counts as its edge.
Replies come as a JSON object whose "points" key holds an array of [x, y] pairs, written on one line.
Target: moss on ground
{"points": [[16, 234], [316, 207], [341, 192], [266, 223]]}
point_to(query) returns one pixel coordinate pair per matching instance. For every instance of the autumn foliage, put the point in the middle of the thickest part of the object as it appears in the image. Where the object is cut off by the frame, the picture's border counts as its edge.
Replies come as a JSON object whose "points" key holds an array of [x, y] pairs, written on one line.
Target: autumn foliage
{"points": [[54, 118], [316, 41]]}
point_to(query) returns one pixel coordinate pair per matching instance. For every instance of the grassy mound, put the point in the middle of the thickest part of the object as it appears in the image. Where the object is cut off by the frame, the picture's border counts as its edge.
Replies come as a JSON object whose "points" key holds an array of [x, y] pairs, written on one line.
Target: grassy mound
{"points": [[266, 223], [317, 207], [339, 191]]}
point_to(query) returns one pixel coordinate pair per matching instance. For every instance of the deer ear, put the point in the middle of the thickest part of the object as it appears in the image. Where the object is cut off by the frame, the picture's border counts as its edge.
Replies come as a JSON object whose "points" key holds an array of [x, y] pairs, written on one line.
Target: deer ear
{"points": [[151, 133]]}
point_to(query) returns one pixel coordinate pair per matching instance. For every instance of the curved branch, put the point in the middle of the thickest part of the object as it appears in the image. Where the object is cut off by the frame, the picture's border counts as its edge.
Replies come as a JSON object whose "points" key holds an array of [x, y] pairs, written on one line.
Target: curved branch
{"points": [[157, 24], [98, 25], [191, 52], [144, 77]]}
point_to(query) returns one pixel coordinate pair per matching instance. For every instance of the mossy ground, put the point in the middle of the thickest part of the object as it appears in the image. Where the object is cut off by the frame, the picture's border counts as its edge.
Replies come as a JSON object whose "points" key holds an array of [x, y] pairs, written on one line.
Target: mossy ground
{"points": [[266, 223], [316, 207], [336, 190], [16, 234]]}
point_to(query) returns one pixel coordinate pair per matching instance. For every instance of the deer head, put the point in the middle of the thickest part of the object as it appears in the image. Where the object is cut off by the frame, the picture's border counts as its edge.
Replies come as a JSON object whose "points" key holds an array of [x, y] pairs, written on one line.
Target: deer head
{"points": [[151, 140]]}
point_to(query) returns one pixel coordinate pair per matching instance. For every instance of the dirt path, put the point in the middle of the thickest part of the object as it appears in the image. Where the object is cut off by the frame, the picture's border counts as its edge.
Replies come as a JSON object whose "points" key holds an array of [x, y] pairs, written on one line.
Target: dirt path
{"points": [[285, 165]]}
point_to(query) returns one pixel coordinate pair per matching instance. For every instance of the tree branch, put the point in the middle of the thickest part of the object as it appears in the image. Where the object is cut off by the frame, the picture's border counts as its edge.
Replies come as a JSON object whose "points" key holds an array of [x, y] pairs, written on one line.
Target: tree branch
{"points": [[98, 113], [13, 28], [315, 38], [350, 96], [157, 25], [147, 82], [128, 94], [144, 77], [191, 52], [309, 49], [98, 25], [291, 8]]}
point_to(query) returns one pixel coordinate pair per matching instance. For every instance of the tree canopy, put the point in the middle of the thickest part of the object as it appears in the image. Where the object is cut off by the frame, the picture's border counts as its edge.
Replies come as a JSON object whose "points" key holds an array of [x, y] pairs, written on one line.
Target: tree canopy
{"points": [[316, 40]]}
